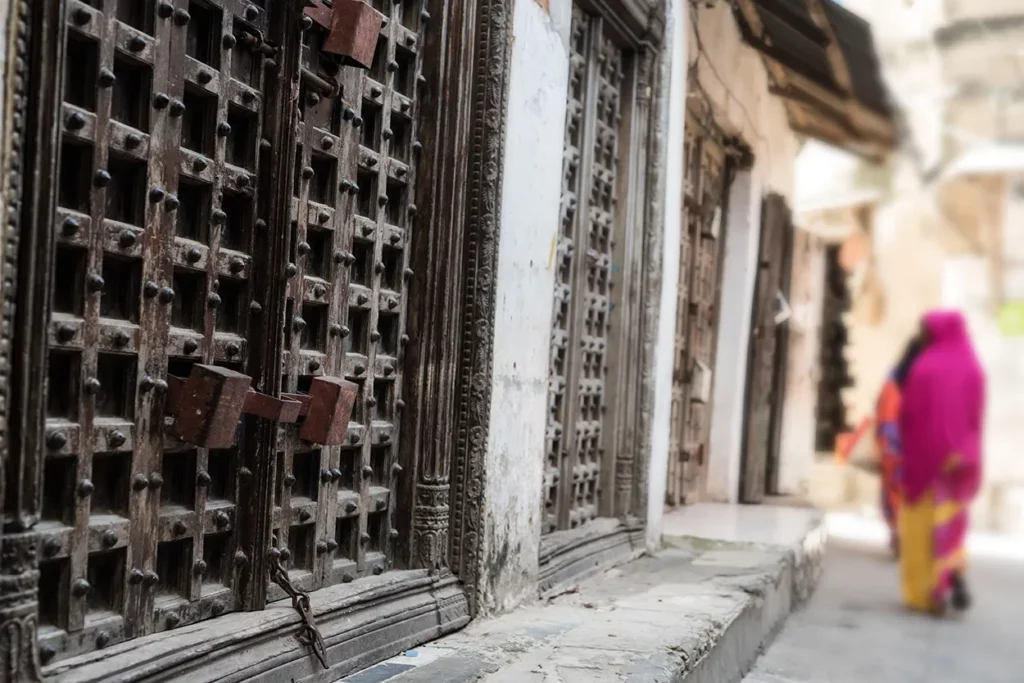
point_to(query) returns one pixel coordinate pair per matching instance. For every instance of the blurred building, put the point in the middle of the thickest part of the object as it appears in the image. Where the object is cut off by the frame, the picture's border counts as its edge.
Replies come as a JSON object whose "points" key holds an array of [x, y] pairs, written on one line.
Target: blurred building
{"points": [[939, 225]]}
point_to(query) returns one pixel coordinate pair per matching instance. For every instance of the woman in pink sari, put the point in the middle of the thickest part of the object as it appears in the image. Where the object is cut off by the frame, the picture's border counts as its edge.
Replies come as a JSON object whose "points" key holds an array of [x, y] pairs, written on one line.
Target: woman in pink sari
{"points": [[941, 420]]}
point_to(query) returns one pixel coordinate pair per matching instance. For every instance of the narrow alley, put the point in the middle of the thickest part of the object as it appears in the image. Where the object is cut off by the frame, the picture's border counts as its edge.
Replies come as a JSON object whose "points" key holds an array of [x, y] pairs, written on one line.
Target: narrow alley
{"points": [[854, 629]]}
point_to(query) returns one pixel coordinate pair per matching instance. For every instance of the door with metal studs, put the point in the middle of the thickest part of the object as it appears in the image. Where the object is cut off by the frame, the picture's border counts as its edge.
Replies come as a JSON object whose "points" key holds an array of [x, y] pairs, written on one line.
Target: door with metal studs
{"points": [[165, 262]]}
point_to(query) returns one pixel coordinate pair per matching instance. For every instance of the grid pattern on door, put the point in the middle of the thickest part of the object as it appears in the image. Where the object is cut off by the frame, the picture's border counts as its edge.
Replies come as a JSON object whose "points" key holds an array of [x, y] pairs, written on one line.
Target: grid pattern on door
{"points": [[697, 299], [352, 217], [583, 287], [156, 204]]}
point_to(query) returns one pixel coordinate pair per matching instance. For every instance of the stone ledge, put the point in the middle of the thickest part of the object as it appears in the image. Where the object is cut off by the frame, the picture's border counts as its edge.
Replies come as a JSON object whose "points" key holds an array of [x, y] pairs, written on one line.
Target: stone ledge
{"points": [[699, 610]]}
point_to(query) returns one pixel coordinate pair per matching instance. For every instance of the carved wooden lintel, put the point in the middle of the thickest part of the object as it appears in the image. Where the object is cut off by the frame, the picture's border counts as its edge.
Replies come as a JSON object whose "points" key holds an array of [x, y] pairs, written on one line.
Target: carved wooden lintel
{"points": [[19, 578]]}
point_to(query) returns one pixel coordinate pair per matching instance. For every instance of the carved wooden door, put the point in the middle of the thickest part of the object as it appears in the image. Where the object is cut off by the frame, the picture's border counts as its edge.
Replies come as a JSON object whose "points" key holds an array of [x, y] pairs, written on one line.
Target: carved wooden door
{"points": [[179, 204], [576, 442], [697, 302], [763, 357]]}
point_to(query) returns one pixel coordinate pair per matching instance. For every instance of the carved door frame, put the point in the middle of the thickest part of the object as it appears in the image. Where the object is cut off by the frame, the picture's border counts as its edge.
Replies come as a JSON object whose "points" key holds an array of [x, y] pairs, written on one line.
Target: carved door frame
{"points": [[448, 365]]}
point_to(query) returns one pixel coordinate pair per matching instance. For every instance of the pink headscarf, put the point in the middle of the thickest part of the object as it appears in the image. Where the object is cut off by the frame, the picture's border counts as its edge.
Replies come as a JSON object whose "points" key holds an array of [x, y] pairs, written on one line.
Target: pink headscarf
{"points": [[942, 410]]}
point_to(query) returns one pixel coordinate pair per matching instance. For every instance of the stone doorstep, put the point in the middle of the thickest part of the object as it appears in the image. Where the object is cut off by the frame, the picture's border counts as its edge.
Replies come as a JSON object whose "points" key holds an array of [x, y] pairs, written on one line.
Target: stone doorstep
{"points": [[699, 610]]}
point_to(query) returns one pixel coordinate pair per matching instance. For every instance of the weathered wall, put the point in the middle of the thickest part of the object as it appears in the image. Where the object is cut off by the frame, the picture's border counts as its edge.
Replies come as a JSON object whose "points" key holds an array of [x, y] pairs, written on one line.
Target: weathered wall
{"points": [[734, 77], [676, 35], [538, 82]]}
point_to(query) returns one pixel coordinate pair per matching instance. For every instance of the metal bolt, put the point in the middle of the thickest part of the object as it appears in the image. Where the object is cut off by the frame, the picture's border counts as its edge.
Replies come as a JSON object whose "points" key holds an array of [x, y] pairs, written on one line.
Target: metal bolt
{"points": [[213, 300], [353, 438], [335, 330], [241, 559], [381, 504], [344, 331], [221, 519], [171, 203], [92, 386], [193, 255], [392, 303], [260, 224], [362, 299], [156, 480], [401, 171], [353, 190], [325, 476], [127, 239], [304, 515], [200, 164], [399, 404], [388, 369], [313, 99], [136, 44], [327, 142], [407, 273], [161, 100], [403, 340], [396, 469], [223, 129], [289, 479], [105, 78], [164, 9], [410, 40], [71, 225], [314, 365], [156, 194], [424, 16], [378, 267], [135, 577], [85, 488], [204, 76], [228, 41], [348, 113], [347, 578], [417, 146], [387, 134], [101, 179], [236, 264], [203, 478], [65, 332], [218, 216], [307, 172], [252, 13], [367, 472], [332, 545], [46, 653], [319, 291], [56, 440], [371, 161], [146, 384], [181, 17], [307, 23], [255, 308], [323, 217], [302, 248], [177, 108], [232, 349], [357, 121], [189, 346], [179, 527], [140, 482], [248, 96], [375, 336], [392, 66], [167, 295], [75, 121], [358, 370], [51, 547], [243, 180], [150, 578], [116, 439], [199, 567], [371, 401], [351, 507], [109, 538], [82, 16], [285, 554], [321, 547], [393, 534], [298, 324], [412, 209], [335, 474]]}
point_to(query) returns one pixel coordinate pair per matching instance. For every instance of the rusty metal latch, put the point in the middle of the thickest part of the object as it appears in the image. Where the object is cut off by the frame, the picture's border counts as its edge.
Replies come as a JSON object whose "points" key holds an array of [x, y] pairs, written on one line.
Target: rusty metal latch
{"points": [[354, 27], [208, 404], [308, 634]]}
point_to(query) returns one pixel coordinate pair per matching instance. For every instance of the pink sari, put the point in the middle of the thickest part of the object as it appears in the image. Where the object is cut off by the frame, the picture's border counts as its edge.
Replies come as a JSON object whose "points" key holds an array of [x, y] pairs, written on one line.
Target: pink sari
{"points": [[941, 420]]}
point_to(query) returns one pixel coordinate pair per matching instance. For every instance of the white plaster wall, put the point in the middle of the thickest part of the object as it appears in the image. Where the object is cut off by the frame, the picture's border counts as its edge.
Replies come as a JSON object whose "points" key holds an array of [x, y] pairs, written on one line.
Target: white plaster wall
{"points": [[734, 77], [538, 82], [740, 270], [676, 37]]}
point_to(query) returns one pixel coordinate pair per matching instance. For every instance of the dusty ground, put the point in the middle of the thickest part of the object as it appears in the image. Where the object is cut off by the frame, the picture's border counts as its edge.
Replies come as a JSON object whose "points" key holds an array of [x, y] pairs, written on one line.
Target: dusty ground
{"points": [[855, 631]]}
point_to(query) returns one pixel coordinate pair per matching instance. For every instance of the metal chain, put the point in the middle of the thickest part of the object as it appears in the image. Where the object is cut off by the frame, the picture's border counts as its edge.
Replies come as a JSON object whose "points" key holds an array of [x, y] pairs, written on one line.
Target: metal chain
{"points": [[308, 634]]}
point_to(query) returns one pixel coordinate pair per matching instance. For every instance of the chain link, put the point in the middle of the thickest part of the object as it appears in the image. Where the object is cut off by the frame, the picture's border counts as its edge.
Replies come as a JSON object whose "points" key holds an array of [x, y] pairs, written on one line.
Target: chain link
{"points": [[308, 634]]}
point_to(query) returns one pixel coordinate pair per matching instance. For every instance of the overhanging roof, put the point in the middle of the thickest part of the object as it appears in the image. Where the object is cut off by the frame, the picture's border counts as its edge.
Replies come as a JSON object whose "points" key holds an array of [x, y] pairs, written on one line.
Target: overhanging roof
{"points": [[821, 60]]}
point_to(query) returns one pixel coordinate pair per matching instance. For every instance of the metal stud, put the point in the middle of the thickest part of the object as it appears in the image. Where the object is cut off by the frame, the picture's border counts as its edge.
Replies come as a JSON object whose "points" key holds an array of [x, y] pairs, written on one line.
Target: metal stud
{"points": [[150, 578], [80, 588], [189, 346], [177, 108], [167, 295], [46, 653], [298, 324], [173, 620], [358, 370], [255, 308], [348, 113], [92, 386], [140, 482], [105, 78], [314, 365], [85, 488], [179, 527], [164, 9], [76, 121], [213, 300], [101, 179], [199, 567], [135, 577], [307, 172], [367, 472], [156, 480], [378, 570], [332, 545], [353, 438], [51, 547], [116, 439], [319, 291], [241, 559], [321, 547], [228, 41], [357, 121], [351, 507], [326, 142], [181, 17], [161, 100], [217, 608], [65, 333], [193, 255], [223, 129], [171, 203], [393, 534], [375, 336], [399, 404], [221, 519], [204, 76], [136, 44], [304, 515], [146, 384], [127, 239], [375, 91], [81, 16], [56, 440], [236, 264], [252, 13], [289, 479], [364, 538], [232, 349], [200, 164], [396, 469]]}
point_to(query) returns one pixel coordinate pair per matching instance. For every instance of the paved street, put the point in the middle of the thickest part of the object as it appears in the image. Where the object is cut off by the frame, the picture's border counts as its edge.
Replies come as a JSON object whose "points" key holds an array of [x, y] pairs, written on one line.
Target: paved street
{"points": [[855, 631]]}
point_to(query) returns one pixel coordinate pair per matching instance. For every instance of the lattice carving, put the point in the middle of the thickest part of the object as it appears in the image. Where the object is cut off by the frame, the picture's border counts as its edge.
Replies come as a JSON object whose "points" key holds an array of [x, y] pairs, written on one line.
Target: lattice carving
{"points": [[697, 299], [583, 284], [351, 224], [156, 214]]}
